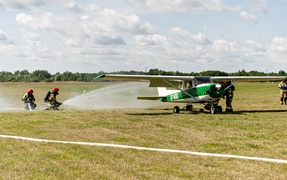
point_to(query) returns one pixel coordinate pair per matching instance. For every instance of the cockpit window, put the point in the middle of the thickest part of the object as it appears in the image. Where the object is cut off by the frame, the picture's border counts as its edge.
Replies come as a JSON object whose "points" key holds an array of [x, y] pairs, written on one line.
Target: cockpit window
{"points": [[201, 80]]}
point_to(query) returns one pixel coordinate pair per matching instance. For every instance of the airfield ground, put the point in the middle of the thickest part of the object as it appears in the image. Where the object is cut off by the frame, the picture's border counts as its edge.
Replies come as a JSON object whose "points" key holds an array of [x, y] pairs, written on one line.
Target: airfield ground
{"points": [[256, 128]]}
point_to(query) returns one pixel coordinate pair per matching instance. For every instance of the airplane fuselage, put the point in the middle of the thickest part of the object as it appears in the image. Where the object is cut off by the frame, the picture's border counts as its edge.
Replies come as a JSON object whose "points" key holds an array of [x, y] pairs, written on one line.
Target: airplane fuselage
{"points": [[201, 93]]}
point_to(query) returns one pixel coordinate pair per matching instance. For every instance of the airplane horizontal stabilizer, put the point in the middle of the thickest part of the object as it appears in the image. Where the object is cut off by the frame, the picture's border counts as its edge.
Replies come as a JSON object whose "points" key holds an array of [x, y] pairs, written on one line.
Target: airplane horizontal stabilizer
{"points": [[149, 97]]}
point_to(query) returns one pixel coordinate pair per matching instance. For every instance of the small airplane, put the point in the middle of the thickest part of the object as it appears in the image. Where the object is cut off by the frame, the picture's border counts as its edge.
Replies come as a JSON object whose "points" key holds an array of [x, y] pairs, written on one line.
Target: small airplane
{"points": [[206, 90]]}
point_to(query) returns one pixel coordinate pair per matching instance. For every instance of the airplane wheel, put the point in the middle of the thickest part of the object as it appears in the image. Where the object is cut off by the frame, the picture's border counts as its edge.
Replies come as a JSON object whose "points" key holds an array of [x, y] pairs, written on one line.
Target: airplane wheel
{"points": [[188, 107], [176, 110], [218, 109], [207, 107], [212, 110]]}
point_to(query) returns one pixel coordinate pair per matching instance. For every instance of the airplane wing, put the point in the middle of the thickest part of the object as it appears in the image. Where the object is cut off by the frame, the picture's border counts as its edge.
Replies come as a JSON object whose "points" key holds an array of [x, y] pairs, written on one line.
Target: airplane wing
{"points": [[247, 78], [165, 81], [155, 80]]}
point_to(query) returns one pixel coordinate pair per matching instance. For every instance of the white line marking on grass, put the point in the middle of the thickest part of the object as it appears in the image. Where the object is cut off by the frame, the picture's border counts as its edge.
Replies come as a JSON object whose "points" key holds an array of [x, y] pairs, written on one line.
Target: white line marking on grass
{"points": [[148, 149]]}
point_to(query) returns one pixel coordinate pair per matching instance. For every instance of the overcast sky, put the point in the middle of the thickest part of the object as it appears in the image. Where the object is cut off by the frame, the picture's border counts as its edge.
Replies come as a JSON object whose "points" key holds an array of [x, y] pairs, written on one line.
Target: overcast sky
{"points": [[89, 36]]}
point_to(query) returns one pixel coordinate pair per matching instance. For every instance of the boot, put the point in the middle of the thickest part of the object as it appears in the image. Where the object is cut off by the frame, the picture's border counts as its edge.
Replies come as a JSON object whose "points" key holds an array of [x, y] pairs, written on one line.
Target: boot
{"points": [[228, 109]]}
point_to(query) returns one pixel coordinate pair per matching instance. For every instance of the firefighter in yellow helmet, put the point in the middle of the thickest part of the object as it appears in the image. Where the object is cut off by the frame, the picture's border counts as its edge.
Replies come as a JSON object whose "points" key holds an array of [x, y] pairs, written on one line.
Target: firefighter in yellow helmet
{"points": [[283, 91], [29, 100]]}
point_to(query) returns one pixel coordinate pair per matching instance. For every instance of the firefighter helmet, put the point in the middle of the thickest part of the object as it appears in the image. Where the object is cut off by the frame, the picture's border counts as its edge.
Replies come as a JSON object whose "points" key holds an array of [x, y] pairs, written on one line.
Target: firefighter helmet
{"points": [[55, 90], [30, 91]]}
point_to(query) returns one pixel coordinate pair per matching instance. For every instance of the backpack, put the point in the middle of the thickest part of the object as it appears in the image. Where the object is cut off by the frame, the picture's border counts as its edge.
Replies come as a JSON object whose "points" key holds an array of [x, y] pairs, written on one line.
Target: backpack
{"points": [[46, 98]]}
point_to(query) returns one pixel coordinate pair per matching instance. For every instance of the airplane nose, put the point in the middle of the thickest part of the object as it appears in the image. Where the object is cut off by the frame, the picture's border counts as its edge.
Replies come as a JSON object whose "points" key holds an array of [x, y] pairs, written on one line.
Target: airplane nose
{"points": [[218, 86]]}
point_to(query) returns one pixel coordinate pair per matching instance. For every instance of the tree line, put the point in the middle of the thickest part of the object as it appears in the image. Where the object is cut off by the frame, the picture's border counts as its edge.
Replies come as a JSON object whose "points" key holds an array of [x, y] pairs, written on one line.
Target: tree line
{"points": [[45, 76]]}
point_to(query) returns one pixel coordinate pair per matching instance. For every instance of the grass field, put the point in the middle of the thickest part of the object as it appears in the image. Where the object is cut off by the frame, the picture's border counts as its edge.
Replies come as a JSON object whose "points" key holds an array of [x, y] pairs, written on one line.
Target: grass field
{"points": [[257, 128]]}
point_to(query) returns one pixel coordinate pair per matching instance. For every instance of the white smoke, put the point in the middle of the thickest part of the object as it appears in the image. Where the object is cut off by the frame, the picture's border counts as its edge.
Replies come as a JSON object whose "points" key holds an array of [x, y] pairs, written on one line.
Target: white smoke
{"points": [[5, 104]]}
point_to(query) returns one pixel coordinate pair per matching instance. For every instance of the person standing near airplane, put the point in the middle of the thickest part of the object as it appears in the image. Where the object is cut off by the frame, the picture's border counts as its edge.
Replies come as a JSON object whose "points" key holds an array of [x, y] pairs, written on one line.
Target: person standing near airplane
{"points": [[283, 91], [229, 96]]}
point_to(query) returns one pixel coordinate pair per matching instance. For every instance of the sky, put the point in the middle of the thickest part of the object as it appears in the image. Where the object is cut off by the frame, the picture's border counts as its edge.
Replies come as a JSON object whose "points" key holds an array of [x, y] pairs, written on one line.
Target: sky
{"points": [[89, 36]]}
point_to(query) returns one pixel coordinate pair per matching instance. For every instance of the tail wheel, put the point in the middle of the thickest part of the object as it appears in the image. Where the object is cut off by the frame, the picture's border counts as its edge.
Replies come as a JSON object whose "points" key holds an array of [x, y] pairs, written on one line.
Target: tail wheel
{"points": [[176, 110]]}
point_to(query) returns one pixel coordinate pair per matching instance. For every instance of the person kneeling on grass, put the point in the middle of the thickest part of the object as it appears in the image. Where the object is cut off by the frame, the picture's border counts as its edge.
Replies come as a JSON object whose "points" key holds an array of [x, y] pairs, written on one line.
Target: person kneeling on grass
{"points": [[29, 100], [51, 99]]}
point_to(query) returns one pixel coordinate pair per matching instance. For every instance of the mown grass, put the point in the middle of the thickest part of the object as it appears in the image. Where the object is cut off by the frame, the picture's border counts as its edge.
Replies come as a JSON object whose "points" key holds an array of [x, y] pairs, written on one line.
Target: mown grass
{"points": [[256, 128]]}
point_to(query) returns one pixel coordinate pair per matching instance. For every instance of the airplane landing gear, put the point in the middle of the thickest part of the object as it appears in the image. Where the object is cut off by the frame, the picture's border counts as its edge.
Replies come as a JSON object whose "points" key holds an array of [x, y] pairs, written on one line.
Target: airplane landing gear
{"points": [[218, 109], [176, 110], [213, 108], [188, 107]]}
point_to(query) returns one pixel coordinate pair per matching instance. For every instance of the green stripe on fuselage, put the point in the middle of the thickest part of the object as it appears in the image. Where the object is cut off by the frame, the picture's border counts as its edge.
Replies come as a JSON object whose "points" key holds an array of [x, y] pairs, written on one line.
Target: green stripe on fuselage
{"points": [[200, 90]]}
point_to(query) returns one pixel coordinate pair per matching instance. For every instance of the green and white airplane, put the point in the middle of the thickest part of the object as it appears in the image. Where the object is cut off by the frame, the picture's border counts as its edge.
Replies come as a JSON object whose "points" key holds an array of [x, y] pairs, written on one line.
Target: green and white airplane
{"points": [[206, 90]]}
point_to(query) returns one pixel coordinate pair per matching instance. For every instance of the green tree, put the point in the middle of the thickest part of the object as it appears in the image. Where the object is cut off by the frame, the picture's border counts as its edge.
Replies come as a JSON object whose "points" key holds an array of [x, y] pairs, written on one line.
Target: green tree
{"points": [[281, 73], [213, 73], [41, 74]]}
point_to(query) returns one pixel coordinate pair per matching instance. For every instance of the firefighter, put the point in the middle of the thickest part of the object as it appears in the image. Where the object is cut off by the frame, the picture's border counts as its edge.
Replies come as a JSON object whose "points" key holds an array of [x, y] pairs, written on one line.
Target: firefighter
{"points": [[29, 100], [283, 91], [52, 102], [228, 95]]}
